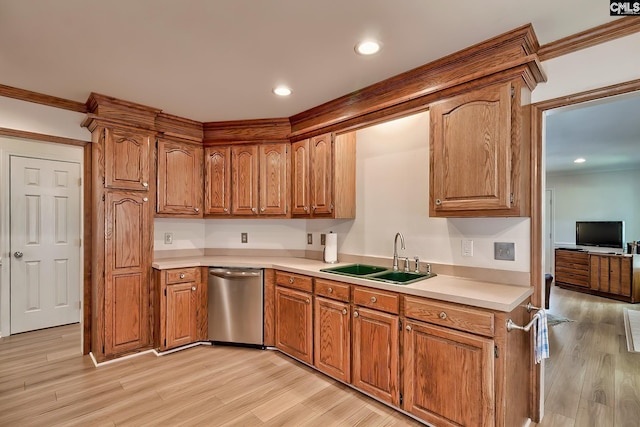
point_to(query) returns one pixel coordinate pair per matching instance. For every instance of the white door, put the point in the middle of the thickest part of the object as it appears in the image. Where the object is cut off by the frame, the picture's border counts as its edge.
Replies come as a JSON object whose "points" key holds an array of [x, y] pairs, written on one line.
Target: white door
{"points": [[45, 243]]}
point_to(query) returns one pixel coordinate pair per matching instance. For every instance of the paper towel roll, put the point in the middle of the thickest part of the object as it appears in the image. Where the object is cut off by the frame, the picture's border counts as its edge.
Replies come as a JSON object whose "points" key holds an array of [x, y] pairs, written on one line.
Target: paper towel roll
{"points": [[331, 248]]}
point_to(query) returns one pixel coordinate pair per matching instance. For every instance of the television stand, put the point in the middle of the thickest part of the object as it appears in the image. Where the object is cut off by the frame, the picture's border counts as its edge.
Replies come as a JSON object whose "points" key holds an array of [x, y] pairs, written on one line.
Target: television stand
{"points": [[608, 275]]}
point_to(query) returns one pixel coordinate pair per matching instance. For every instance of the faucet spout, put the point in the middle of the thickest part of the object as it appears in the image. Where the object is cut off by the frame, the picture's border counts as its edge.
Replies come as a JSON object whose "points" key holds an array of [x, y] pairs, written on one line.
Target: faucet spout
{"points": [[395, 249]]}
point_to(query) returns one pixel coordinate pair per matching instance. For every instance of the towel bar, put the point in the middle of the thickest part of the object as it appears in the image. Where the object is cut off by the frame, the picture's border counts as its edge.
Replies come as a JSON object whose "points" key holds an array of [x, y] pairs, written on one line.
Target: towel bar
{"points": [[532, 307], [511, 325]]}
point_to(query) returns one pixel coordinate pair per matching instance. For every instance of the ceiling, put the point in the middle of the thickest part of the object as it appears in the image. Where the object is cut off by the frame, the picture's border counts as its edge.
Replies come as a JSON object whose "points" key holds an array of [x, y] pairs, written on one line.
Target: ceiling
{"points": [[215, 60]]}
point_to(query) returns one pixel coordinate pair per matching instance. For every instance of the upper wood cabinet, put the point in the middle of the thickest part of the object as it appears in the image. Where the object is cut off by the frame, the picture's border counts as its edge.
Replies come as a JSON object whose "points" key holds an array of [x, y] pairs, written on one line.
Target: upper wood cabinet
{"points": [[259, 184], [476, 153], [180, 182], [217, 180], [126, 159], [323, 176]]}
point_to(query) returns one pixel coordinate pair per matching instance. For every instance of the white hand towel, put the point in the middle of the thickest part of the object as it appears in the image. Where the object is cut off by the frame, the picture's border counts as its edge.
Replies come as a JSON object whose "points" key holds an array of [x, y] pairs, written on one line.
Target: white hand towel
{"points": [[540, 336]]}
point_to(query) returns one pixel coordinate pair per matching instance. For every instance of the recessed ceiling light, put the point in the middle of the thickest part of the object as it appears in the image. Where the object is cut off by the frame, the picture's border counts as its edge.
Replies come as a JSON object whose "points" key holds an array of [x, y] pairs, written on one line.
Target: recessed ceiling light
{"points": [[282, 91], [580, 160], [368, 47]]}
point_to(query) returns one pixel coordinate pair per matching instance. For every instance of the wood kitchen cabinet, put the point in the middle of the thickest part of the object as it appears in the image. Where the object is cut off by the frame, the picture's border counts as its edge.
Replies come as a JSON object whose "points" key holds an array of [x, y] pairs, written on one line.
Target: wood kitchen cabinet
{"points": [[323, 176], [294, 316], [217, 188], [448, 376], [181, 316], [180, 181], [477, 159], [375, 344], [259, 183], [332, 326], [126, 159]]}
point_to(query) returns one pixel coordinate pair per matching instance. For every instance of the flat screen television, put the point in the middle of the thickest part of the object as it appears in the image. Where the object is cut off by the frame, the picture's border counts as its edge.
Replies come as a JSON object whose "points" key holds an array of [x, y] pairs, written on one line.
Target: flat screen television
{"points": [[609, 234]]}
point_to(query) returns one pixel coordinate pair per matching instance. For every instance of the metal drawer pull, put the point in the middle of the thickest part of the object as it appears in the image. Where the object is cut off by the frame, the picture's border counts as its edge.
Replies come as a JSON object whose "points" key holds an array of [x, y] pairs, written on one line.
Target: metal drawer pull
{"points": [[196, 209], [144, 199], [193, 288], [443, 315], [291, 280], [330, 290], [144, 184], [182, 275], [409, 328], [374, 299], [344, 311], [355, 314], [307, 301]]}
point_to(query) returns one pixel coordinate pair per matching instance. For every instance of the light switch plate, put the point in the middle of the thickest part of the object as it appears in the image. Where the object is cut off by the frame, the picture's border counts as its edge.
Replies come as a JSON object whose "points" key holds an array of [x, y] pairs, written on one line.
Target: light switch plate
{"points": [[467, 247], [323, 238], [309, 239], [244, 237], [504, 251]]}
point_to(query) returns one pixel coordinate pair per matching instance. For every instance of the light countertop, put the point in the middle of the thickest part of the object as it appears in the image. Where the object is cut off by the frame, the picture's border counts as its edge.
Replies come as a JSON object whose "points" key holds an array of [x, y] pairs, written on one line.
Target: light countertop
{"points": [[459, 290]]}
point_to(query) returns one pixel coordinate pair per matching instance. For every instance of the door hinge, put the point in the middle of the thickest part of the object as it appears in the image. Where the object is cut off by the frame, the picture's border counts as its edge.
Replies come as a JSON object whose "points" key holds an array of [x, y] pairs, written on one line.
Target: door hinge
{"points": [[399, 325], [401, 398], [103, 197], [79, 182], [511, 199], [102, 348], [165, 292], [496, 352], [165, 342], [103, 180], [513, 92]]}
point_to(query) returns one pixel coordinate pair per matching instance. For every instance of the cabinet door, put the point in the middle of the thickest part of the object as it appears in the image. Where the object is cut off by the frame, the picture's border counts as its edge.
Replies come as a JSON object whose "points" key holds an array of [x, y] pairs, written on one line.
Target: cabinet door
{"points": [[470, 152], [321, 175], [179, 178], [127, 268], [332, 338], [126, 160], [375, 354], [217, 197], [300, 178], [274, 194], [294, 323], [448, 376], [181, 314], [244, 180]]}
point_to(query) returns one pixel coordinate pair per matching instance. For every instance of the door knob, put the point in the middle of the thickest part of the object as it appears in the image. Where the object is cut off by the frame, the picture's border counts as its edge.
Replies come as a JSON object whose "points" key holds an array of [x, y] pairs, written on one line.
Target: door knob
{"points": [[18, 254]]}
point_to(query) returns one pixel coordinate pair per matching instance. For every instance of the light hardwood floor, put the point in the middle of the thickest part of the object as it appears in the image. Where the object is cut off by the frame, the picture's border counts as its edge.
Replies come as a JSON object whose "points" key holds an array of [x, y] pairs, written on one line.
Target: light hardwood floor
{"points": [[591, 380]]}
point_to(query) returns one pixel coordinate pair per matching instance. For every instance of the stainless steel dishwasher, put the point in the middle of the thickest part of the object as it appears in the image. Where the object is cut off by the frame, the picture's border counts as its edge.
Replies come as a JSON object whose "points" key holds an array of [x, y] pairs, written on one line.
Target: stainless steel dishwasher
{"points": [[236, 306]]}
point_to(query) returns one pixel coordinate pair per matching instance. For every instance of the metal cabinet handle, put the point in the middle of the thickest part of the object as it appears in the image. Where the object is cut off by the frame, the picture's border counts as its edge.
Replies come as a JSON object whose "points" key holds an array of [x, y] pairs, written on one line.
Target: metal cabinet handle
{"points": [[344, 311], [196, 209], [408, 328], [443, 315], [313, 208], [18, 254], [438, 202], [306, 208], [193, 288], [355, 314], [330, 290], [374, 299], [291, 280], [262, 209], [182, 275], [144, 184], [226, 209], [254, 210], [145, 199], [307, 301]]}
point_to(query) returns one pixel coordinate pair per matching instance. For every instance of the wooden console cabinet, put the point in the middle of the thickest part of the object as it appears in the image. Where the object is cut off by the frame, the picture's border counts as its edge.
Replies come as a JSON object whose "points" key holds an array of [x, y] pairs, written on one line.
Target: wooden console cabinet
{"points": [[603, 274]]}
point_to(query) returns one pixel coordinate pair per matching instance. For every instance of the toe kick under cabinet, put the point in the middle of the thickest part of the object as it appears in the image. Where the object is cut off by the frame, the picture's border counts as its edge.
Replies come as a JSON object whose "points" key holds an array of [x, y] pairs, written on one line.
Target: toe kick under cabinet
{"points": [[447, 364]]}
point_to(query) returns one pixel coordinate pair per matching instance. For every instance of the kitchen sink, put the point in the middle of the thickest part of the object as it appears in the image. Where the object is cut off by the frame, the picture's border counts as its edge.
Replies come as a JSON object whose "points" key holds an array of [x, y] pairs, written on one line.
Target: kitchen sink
{"points": [[357, 270], [380, 274]]}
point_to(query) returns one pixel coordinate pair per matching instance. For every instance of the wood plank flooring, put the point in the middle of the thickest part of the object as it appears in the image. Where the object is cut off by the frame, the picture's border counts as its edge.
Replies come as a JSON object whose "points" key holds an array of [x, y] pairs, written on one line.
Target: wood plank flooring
{"points": [[45, 381], [591, 380]]}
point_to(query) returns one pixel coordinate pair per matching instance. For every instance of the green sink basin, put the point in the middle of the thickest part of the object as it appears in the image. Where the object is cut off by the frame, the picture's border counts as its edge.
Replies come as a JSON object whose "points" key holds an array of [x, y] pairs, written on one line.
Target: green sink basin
{"points": [[357, 270], [401, 277]]}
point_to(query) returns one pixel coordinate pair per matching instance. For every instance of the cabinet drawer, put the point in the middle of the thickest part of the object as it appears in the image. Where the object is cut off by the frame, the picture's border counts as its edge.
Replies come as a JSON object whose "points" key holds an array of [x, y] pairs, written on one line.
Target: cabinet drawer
{"points": [[377, 299], [450, 315], [334, 290], [181, 275], [295, 281]]}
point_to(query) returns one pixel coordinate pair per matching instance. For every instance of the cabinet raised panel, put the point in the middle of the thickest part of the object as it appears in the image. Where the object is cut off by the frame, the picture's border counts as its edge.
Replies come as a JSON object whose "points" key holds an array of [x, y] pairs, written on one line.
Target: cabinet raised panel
{"points": [[321, 175], [179, 178], [126, 272], [273, 179], [300, 178], [332, 338], [471, 152], [217, 197], [375, 354], [126, 160], [182, 317], [244, 180], [448, 376], [294, 323]]}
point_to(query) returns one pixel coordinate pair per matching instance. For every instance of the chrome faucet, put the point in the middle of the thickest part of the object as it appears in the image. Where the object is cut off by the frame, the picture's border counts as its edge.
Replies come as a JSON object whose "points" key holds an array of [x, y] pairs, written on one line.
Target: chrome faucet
{"points": [[395, 249]]}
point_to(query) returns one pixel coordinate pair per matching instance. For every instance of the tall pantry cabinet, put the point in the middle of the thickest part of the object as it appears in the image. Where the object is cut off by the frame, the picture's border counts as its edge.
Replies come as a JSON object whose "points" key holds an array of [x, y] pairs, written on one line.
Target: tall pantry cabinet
{"points": [[123, 193]]}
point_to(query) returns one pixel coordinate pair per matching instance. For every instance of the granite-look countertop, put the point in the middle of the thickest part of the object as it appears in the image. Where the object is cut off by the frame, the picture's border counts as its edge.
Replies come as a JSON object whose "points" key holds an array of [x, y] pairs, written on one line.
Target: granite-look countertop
{"points": [[459, 290]]}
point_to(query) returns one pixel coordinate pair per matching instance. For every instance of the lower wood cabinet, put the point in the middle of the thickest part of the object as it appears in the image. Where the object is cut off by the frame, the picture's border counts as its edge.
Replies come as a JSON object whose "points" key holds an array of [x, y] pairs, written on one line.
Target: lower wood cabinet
{"points": [[448, 376], [332, 338], [376, 352], [182, 316], [294, 323]]}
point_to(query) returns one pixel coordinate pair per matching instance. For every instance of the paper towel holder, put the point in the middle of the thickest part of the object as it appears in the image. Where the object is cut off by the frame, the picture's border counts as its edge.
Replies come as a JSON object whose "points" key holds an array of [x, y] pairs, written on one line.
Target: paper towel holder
{"points": [[325, 255]]}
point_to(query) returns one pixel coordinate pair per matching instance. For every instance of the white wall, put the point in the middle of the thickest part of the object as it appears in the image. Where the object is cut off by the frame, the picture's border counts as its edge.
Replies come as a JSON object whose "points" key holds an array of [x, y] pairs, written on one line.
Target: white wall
{"points": [[604, 196], [262, 233], [187, 233]]}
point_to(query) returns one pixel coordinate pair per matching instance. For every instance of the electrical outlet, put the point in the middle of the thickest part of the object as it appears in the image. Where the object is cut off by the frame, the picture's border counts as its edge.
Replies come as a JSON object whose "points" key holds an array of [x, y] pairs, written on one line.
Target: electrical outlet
{"points": [[168, 238], [309, 239], [504, 251], [467, 247], [244, 237], [323, 239]]}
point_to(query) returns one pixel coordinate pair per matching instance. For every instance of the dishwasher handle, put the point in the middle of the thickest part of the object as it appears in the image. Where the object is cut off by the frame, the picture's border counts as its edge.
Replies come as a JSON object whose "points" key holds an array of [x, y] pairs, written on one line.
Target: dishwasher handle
{"points": [[224, 273]]}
